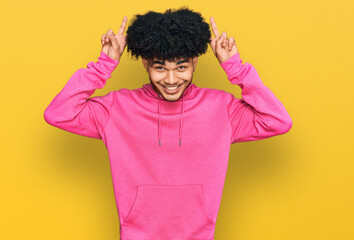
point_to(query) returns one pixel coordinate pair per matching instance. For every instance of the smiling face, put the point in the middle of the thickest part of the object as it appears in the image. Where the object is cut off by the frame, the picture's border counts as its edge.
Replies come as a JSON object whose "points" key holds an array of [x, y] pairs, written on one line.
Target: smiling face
{"points": [[170, 78]]}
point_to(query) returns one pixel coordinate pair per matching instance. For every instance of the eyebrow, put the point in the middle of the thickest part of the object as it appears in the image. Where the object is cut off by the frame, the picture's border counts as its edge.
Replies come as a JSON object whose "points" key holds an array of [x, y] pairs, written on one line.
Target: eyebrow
{"points": [[179, 62]]}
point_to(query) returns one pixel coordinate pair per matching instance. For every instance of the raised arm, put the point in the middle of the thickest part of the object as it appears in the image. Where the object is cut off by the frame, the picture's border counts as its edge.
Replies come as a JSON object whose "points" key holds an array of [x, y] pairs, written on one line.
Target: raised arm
{"points": [[258, 114], [72, 109]]}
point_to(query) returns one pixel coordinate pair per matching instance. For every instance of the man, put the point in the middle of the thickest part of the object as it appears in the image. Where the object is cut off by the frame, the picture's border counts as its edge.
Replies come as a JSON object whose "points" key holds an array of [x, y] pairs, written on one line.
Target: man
{"points": [[169, 141]]}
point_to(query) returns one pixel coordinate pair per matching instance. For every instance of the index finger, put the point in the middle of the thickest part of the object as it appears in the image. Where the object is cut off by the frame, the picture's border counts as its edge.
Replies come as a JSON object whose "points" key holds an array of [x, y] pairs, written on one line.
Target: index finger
{"points": [[122, 26], [214, 27]]}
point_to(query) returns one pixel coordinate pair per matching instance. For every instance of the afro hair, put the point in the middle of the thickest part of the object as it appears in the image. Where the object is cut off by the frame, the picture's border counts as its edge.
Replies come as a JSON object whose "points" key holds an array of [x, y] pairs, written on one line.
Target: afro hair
{"points": [[175, 34]]}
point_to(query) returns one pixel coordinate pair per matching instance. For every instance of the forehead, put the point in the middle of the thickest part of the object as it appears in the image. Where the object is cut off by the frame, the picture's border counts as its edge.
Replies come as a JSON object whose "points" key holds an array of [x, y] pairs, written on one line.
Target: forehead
{"points": [[174, 61]]}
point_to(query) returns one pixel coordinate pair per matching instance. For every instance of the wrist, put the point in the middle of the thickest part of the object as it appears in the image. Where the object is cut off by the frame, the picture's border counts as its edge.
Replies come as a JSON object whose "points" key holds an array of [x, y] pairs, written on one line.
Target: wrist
{"points": [[116, 60]]}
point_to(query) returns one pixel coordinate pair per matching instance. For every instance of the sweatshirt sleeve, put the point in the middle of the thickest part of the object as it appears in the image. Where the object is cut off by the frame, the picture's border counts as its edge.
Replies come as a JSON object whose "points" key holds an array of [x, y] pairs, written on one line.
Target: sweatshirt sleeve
{"points": [[258, 114], [73, 110]]}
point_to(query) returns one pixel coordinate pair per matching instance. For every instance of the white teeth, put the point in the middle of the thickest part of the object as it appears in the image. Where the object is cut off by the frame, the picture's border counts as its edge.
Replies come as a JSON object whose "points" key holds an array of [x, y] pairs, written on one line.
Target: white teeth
{"points": [[171, 88]]}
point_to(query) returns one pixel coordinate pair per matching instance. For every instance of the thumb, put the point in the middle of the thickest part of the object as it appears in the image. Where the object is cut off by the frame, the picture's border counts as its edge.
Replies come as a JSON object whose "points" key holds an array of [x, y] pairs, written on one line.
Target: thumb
{"points": [[212, 44], [219, 42], [114, 41]]}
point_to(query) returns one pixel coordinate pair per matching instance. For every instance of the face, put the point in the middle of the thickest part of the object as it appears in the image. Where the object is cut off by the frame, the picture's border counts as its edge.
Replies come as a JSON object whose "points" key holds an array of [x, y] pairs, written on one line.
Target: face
{"points": [[170, 78]]}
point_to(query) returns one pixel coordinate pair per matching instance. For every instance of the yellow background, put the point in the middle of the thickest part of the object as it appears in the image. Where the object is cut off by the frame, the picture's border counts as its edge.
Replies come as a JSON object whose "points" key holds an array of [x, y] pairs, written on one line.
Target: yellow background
{"points": [[300, 185]]}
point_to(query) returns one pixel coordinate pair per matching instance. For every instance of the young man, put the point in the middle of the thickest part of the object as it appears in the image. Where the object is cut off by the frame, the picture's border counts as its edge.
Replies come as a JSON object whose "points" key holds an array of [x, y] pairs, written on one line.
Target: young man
{"points": [[169, 141]]}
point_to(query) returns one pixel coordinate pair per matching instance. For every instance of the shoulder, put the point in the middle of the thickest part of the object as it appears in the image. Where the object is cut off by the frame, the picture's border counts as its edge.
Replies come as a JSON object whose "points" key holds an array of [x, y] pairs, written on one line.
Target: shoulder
{"points": [[211, 92], [220, 96], [124, 92], [128, 95]]}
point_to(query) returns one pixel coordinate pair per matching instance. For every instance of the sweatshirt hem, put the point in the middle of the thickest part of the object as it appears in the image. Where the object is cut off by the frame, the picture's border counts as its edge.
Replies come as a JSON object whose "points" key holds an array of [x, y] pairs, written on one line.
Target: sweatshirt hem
{"points": [[124, 238]]}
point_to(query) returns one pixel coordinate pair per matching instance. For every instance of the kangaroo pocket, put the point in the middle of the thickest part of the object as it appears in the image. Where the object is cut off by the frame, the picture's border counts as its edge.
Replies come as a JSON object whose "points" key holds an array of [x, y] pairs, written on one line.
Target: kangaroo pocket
{"points": [[173, 212]]}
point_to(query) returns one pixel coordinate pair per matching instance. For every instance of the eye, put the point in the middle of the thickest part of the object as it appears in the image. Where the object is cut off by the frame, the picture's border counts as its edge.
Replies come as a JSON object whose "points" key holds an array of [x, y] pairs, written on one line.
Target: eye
{"points": [[182, 66], [159, 67]]}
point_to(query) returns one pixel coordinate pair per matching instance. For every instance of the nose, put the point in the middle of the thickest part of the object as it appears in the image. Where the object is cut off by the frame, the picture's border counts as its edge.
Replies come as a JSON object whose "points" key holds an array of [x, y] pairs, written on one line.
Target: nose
{"points": [[171, 79]]}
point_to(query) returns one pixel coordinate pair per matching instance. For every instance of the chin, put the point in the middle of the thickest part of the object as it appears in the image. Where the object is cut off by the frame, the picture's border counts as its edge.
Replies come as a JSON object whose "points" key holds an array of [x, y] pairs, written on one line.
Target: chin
{"points": [[174, 97], [167, 96]]}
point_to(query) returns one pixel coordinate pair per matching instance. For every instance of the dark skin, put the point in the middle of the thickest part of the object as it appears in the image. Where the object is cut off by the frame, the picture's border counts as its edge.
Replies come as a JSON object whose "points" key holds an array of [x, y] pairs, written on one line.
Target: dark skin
{"points": [[174, 73]]}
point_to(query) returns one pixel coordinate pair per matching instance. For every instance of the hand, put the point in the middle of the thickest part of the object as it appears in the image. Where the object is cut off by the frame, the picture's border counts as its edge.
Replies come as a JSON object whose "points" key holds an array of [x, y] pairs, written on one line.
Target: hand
{"points": [[223, 47], [114, 45]]}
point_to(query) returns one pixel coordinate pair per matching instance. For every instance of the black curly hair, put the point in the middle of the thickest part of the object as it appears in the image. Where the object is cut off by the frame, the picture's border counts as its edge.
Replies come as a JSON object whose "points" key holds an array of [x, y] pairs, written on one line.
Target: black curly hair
{"points": [[174, 34]]}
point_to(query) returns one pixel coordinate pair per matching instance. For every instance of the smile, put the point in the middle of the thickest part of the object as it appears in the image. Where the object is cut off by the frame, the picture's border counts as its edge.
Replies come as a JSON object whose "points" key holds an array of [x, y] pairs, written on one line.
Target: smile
{"points": [[172, 89]]}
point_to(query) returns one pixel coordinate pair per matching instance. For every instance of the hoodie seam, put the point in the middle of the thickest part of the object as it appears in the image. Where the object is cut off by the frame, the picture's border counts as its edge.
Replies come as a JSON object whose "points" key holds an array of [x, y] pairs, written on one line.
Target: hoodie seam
{"points": [[254, 99], [268, 122], [228, 115], [84, 128], [109, 113], [73, 112], [255, 102]]}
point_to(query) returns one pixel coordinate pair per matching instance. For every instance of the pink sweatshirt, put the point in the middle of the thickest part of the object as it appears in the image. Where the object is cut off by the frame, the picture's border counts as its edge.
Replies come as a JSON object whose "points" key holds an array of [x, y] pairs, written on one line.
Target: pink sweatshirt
{"points": [[168, 159]]}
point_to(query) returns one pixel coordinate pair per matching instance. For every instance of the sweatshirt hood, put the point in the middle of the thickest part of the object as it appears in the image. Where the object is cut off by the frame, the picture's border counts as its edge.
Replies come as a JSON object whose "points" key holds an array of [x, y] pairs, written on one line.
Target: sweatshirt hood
{"points": [[187, 94]]}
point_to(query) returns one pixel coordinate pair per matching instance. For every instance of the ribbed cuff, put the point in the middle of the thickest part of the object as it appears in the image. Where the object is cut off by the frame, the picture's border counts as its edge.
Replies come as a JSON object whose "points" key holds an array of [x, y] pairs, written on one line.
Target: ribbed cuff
{"points": [[108, 64], [233, 65]]}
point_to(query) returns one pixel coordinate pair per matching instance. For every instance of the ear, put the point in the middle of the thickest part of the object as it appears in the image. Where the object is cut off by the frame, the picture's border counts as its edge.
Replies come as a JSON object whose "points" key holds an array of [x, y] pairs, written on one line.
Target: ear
{"points": [[145, 63], [195, 61]]}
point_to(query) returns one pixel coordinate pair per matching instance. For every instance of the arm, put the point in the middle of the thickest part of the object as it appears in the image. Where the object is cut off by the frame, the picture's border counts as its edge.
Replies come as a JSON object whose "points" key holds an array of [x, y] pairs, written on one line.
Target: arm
{"points": [[258, 114], [73, 110]]}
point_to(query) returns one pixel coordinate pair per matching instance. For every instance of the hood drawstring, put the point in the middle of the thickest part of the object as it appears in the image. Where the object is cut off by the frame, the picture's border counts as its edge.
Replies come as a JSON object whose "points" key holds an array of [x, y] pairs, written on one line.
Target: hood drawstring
{"points": [[180, 122], [159, 122]]}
